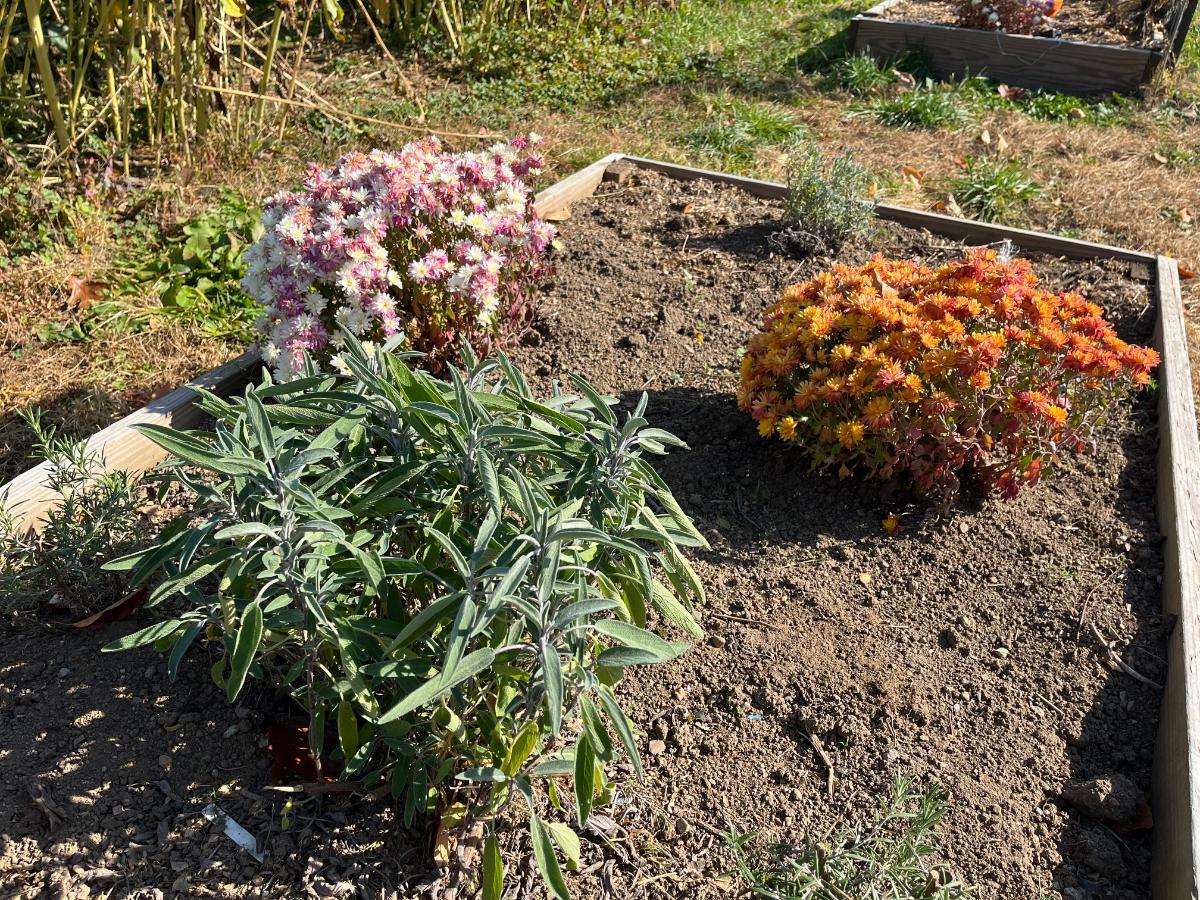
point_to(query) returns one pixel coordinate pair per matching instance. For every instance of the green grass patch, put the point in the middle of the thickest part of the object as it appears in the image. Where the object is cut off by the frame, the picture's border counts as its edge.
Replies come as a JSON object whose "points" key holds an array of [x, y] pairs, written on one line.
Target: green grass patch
{"points": [[1178, 157], [993, 189], [928, 105], [738, 129]]}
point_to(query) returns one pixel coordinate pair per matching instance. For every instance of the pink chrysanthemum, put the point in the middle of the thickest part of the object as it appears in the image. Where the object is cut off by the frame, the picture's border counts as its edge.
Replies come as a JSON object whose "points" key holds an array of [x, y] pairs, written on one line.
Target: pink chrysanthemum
{"points": [[434, 245]]}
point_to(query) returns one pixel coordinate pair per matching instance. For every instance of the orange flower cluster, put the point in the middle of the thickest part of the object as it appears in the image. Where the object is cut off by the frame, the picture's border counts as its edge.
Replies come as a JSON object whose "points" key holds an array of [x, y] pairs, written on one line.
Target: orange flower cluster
{"points": [[929, 375]]}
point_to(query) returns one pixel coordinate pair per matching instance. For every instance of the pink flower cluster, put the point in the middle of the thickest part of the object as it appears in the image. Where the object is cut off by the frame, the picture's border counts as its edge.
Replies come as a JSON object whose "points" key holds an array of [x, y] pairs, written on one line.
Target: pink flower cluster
{"points": [[424, 243], [1009, 16]]}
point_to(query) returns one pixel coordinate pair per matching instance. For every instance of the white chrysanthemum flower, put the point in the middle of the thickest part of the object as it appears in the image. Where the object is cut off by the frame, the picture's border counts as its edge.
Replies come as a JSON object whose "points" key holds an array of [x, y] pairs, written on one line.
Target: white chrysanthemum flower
{"points": [[348, 283], [457, 283], [339, 364], [353, 319]]}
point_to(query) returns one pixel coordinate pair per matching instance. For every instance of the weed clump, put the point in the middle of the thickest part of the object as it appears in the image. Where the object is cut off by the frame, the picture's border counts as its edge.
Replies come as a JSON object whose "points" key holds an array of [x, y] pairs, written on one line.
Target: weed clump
{"points": [[860, 75], [741, 130], [96, 520], [993, 188], [895, 857], [927, 105]]}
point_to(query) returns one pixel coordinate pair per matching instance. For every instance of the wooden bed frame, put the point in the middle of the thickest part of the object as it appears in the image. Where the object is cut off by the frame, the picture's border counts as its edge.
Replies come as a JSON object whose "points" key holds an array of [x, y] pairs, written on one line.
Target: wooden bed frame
{"points": [[1074, 67], [1176, 787]]}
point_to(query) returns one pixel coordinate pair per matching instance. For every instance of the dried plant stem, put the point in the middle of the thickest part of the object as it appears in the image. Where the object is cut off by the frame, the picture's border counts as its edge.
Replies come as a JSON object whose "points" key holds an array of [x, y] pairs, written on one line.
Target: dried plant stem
{"points": [[327, 108], [295, 79], [37, 38], [269, 60]]}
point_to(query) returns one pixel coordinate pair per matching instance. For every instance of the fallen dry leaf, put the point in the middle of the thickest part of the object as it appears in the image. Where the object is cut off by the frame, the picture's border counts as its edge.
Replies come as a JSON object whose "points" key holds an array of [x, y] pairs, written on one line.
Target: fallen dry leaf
{"points": [[1160, 158], [864, 577], [1010, 93], [559, 215], [986, 136], [83, 293], [115, 612], [949, 206], [1001, 144], [1185, 215], [912, 175]]}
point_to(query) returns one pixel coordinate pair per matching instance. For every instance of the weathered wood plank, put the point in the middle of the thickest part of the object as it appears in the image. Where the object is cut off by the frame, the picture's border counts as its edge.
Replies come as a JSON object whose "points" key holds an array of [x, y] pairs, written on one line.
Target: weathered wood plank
{"points": [[949, 226], [987, 232], [1016, 59], [28, 497], [1176, 780], [559, 196], [767, 189]]}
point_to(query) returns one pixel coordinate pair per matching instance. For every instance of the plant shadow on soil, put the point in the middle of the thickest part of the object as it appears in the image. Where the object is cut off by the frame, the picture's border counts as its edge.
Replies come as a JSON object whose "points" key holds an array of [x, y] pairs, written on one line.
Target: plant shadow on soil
{"points": [[757, 500], [107, 764]]}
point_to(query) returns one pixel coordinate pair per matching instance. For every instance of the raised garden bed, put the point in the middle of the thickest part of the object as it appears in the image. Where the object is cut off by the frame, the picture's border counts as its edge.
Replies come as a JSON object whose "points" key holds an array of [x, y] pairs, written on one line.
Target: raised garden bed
{"points": [[1085, 63], [837, 654]]}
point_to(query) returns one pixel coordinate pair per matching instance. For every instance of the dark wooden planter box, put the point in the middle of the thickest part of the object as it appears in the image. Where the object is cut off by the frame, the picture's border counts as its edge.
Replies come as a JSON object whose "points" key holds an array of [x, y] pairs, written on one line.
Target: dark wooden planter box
{"points": [[1017, 59], [1176, 788]]}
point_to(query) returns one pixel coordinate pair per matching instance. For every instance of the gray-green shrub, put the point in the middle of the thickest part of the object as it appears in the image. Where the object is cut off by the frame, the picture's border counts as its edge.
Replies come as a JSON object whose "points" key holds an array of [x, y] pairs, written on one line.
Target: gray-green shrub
{"points": [[826, 204], [449, 575]]}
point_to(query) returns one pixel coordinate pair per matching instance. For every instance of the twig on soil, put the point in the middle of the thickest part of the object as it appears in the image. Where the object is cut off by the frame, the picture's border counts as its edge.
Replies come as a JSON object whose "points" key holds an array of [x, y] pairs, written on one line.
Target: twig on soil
{"points": [[819, 749], [1120, 663], [616, 193], [743, 619], [1046, 701], [1087, 598]]}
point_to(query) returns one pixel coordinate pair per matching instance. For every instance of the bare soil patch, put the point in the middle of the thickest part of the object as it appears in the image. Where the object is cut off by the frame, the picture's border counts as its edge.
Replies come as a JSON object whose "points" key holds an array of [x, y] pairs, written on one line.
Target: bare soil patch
{"points": [[953, 651], [961, 652]]}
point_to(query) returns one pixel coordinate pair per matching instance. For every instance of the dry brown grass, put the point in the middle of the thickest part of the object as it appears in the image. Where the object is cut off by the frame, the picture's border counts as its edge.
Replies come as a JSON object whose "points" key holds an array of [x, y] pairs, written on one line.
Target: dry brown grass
{"points": [[83, 388]]}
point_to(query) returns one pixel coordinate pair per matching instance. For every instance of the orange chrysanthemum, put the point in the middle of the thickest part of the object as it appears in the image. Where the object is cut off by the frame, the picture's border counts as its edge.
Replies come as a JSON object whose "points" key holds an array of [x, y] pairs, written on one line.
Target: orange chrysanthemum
{"points": [[897, 369]]}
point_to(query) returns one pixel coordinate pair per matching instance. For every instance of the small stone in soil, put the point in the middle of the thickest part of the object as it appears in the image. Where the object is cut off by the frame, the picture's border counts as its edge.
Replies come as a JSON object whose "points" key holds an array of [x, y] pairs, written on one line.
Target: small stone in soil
{"points": [[657, 748]]}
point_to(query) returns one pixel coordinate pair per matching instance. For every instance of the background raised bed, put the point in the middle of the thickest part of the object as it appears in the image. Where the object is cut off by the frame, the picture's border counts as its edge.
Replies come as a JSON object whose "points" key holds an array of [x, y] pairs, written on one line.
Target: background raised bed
{"points": [[1020, 60]]}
